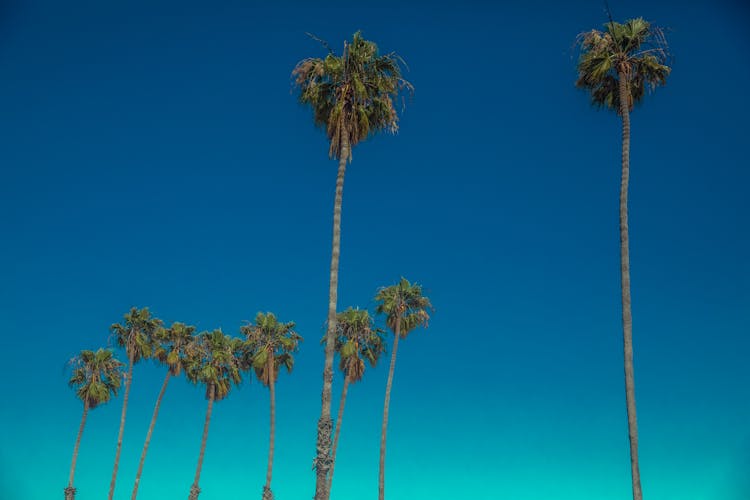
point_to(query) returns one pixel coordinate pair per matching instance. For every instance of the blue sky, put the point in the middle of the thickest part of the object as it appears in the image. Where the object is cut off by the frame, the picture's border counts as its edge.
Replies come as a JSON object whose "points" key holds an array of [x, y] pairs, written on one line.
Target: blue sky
{"points": [[154, 154]]}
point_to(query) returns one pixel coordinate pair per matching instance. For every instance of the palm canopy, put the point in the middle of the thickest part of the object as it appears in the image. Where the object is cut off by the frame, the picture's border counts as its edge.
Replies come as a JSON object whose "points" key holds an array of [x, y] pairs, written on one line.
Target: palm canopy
{"points": [[266, 337], [172, 344], [635, 50], [96, 377], [403, 300], [214, 360], [357, 342], [352, 95], [136, 335]]}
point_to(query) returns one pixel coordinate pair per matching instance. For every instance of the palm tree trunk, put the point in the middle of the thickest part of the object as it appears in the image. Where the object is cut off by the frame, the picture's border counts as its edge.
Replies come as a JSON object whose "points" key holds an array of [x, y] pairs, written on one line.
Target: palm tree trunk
{"points": [[323, 445], [381, 478], [70, 491], [267, 494], [148, 435], [627, 317], [194, 489], [128, 380], [337, 431]]}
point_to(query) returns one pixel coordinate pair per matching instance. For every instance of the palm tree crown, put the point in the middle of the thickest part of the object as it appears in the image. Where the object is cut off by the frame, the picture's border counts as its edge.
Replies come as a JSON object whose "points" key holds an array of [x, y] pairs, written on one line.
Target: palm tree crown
{"points": [[635, 50], [403, 301], [136, 335], [352, 95], [357, 342], [270, 337], [172, 344], [213, 359], [97, 376]]}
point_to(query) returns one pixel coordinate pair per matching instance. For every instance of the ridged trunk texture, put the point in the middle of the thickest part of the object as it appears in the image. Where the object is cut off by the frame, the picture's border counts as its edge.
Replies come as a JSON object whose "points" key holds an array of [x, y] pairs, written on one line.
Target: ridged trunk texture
{"points": [[381, 477], [148, 435], [337, 431], [267, 494], [627, 316], [323, 446], [70, 491], [128, 380], [194, 489]]}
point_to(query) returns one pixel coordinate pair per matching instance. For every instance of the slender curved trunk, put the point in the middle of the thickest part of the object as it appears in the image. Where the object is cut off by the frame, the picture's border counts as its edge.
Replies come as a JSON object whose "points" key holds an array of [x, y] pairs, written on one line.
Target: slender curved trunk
{"points": [[337, 431], [70, 491], [148, 434], [381, 478], [128, 380], [627, 317], [323, 446], [267, 494], [194, 489]]}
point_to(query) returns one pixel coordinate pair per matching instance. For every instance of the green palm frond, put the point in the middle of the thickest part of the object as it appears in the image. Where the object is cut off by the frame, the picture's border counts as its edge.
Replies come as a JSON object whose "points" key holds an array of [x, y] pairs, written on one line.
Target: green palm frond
{"points": [[352, 95], [635, 50], [171, 346], [136, 334], [357, 340], [213, 359], [96, 376], [268, 339], [403, 301]]}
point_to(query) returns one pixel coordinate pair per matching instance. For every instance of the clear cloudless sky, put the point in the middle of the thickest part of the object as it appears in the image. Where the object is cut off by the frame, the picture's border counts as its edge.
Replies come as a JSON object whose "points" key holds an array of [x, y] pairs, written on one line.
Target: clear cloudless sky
{"points": [[154, 154]]}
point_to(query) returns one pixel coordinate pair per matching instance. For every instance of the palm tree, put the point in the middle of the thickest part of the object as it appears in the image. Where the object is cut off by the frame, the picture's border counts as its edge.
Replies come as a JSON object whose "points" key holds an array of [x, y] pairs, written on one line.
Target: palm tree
{"points": [[272, 344], [617, 66], [357, 341], [213, 360], [352, 96], [136, 337], [171, 344], [96, 379], [406, 309]]}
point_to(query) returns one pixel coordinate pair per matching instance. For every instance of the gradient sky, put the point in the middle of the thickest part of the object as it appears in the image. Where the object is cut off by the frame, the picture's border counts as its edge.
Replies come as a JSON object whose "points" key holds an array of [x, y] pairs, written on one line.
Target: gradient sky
{"points": [[154, 154]]}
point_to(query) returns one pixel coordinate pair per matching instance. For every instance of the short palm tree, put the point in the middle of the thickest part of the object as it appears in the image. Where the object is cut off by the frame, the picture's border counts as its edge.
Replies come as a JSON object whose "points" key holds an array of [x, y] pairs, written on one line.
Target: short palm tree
{"points": [[272, 344], [352, 96], [357, 342], [213, 360], [135, 335], [170, 348], [405, 309], [617, 66], [96, 378]]}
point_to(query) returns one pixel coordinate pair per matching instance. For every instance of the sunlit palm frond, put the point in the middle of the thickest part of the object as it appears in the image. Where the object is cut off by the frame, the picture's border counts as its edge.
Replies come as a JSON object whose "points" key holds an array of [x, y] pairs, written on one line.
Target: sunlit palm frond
{"points": [[352, 95]]}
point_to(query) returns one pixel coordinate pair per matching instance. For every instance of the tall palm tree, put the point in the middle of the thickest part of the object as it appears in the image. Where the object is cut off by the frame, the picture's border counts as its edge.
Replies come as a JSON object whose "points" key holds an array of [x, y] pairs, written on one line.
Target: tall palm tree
{"points": [[170, 348], [352, 96], [96, 378], [405, 309], [357, 342], [272, 344], [135, 335], [214, 361], [617, 66]]}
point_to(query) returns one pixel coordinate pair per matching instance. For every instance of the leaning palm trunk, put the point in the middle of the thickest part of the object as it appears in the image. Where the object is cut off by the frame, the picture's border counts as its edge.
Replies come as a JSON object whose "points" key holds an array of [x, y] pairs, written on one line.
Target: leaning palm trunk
{"points": [[194, 489], [128, 380], [148, 435], [337, 431], [70, 491], [381, 478], [323, 448], [267, 493], [627, 317]]}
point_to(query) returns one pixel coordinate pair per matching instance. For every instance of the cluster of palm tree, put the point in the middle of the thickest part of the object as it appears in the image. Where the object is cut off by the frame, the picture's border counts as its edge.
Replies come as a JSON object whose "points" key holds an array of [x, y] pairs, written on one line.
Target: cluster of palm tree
{"points": [[212, 359], [217, 362], [353, 96]]}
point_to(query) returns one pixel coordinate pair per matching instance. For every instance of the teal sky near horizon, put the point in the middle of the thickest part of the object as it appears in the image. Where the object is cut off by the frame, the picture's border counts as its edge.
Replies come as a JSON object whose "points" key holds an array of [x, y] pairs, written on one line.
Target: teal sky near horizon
{"points": [[154, 154]]}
